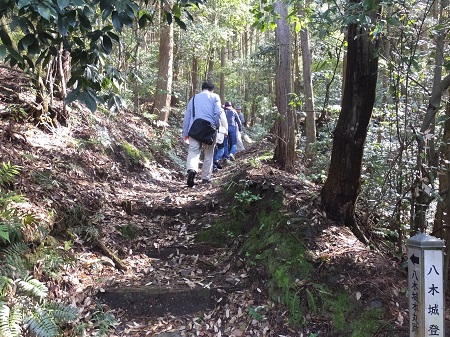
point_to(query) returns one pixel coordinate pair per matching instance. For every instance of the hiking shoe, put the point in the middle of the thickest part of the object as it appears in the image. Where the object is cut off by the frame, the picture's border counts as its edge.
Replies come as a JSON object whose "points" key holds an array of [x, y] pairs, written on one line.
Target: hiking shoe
{"points": [[225, 162], [232, 157], [206, 181], [191, 177], [217, 164]]}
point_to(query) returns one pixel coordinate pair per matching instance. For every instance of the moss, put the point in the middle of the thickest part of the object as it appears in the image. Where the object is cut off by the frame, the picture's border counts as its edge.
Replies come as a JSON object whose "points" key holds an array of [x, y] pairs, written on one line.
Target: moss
{"points": [[364, 322], [368, 324], [273, 240], [220, 231]]}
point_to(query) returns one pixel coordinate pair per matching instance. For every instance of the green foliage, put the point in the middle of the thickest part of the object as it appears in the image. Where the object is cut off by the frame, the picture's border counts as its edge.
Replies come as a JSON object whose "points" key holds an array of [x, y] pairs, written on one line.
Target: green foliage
{"points": [[77, 221], [129, 231], [10, 220], [45, 179], [7, 173], [24, 307], [340, 305], [74, 217], [41, 28], [50, 260], [23, 299], [243, 201], [256, 313], [257, 161], [17, 112], [10, 321], [103, 322], [33, 287]]}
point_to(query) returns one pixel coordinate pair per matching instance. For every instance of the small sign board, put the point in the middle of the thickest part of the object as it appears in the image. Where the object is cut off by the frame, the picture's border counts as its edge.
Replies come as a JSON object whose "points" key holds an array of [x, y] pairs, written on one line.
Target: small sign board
{"points": [[426, 286]]}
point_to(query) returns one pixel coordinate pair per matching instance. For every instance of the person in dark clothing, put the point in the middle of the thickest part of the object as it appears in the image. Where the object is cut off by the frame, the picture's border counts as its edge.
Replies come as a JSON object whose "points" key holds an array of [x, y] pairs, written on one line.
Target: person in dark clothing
{"points": [[234, 126]]}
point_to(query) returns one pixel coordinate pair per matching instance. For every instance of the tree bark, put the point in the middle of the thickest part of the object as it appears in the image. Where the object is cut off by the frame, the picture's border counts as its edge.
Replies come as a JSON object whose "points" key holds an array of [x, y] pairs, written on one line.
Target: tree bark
{"points": [[427, 172], [308, 89], [194, 76], [163, 92], [285, 129], [442, 216], [342, 187], [297, 78], [222, 74]]}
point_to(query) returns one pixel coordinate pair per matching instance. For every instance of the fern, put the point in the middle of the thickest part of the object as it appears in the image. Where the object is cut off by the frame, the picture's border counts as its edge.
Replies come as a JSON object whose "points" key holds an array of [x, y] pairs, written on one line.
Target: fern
{"points": [[61, 312], [13, 257], [7, 173], [15, 317], [23, 306], [5, 286], [41, 324], [16, 249], [9, 321], [10, 222], [4, 232], [33, 287], [104, 322]]}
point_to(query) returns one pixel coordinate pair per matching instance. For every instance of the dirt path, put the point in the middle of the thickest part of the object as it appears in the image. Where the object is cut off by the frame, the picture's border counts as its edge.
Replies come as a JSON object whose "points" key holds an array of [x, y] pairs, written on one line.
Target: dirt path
{"points": [[98, 202], [175, 284]]}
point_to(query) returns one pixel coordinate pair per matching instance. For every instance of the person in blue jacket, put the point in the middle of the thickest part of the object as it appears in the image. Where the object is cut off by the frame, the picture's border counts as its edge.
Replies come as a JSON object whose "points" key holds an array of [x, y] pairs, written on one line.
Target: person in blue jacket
{"points": [[208, 107], [234, 125]]}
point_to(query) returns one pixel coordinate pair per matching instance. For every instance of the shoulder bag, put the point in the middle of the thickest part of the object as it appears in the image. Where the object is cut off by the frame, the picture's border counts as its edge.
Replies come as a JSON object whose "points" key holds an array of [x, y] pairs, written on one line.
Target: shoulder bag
{"points": [[201, 129]]}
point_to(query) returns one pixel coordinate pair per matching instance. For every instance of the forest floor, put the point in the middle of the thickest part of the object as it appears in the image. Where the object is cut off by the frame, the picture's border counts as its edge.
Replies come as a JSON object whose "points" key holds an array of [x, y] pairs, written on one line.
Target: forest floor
{"points": [[133, 224]]}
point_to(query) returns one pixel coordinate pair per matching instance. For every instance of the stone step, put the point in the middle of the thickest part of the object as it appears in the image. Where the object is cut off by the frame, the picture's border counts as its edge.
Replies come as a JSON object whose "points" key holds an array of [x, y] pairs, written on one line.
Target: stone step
{"points": [[154, 301]]}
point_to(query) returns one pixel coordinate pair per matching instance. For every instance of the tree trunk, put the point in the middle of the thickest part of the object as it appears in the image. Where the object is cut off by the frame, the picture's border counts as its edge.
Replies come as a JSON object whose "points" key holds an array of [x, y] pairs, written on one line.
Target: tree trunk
{"points": [[285, 129], [308, 89], [210, 71], [442, 217], [194, 76], [222, 74], [297, 78], [426, 172], [163, 92], [342, 186]]}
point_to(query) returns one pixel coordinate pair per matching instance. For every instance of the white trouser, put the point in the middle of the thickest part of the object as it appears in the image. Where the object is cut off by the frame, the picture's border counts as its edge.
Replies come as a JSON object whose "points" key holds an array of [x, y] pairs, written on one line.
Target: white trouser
{"points": [[239, 143], [193, 158]]}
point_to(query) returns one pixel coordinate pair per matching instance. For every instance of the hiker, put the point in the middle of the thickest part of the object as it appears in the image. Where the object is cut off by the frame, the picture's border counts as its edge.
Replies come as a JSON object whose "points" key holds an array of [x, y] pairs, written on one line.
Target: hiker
{"points": [[234, 126], [207, 107], [220, 141], [239, 142]]}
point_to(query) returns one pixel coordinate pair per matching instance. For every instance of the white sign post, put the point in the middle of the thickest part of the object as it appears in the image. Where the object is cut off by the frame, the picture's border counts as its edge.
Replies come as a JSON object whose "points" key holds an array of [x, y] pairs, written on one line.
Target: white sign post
{"points": [[426, 286]]}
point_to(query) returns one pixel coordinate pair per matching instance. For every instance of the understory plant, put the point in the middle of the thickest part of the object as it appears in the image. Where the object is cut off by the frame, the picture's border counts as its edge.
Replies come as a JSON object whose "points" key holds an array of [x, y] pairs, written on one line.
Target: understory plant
{"points": [[25, 308]]}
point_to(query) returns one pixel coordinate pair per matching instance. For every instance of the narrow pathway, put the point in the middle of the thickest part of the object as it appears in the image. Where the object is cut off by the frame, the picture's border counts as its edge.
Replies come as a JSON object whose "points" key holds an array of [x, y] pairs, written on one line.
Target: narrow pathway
{"points": [[174, 285]]}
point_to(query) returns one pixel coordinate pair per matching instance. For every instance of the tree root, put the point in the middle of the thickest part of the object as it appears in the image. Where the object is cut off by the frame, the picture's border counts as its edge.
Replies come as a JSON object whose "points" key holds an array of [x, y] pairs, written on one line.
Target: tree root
{"points": [[118, 262]]}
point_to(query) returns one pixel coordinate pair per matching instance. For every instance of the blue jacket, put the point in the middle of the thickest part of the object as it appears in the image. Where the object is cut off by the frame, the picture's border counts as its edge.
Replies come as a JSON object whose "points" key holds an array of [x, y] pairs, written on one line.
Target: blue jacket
{"points": [[233, 118], [207, 106]]}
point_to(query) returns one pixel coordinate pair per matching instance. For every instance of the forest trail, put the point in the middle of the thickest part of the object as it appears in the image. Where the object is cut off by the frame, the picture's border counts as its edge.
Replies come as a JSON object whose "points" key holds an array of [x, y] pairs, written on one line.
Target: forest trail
{"points": [[115, 202], [183, 281], [168, 284]]}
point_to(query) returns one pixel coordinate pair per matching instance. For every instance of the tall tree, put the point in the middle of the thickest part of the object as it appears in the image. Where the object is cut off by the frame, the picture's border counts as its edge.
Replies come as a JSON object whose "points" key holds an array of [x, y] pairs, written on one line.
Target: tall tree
{"points": [[426, 165], [223, 63], [284, 129], [308, 89], [342, 186], [163, 93]]}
